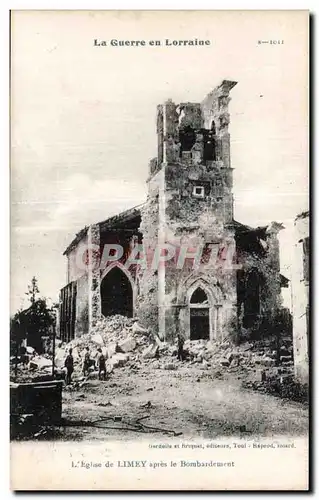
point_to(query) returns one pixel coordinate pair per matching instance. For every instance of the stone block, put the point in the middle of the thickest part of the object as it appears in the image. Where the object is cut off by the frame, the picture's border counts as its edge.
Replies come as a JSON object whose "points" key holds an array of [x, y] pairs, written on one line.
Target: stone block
{"points": [[224, 362], [128, 344], [119, 359], [150, 352], [111, 349], [235, 362], [230, 357], [170, 366], [39, 363], [136, 328], [97, 338]]}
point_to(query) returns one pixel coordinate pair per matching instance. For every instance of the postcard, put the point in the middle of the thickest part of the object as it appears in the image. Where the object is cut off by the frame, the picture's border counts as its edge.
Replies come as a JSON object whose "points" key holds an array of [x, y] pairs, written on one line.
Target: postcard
{"points": [[159, 334]]}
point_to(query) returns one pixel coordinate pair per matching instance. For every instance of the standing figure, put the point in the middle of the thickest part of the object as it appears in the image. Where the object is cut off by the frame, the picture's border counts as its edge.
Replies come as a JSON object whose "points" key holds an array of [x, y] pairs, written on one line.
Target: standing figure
{"points": [[180, 345], [69, 367], [101, 362], [87, 362], [118, 348]]}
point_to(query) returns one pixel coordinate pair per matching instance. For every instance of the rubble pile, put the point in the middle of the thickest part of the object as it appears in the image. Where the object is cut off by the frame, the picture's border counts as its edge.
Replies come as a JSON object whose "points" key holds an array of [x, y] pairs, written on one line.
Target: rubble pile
{"points": [[31, 368], [279, 383], [121, 339], [227, 355], [124, 342]]}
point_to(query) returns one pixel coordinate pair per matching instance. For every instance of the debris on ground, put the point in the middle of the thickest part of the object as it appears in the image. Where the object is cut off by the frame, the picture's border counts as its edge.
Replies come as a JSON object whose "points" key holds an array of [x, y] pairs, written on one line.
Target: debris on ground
{"points": [[122, 340], [126, 343], [40, 363], [282, 385]]}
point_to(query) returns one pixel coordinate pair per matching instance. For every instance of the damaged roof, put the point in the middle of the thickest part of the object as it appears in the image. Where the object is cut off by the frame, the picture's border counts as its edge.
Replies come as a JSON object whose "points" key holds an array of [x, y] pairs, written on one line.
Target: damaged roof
{"points": [[260, 230], [113, 221], [120, 220]]}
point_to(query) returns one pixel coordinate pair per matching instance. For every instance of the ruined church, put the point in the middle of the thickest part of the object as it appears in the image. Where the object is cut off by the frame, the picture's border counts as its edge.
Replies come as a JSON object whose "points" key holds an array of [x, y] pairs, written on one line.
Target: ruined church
{"points": [[230, 288]]}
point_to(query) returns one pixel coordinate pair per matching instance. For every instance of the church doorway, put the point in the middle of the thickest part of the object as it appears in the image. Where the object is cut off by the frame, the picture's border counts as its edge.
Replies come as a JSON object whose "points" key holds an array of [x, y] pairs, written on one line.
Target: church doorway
{"points": [[199, 315], [116, 294]]}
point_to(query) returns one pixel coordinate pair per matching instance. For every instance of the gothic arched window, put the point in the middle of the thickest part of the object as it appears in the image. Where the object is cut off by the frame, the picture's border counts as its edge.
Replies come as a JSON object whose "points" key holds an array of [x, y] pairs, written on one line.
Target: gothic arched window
{"points": [[199, 296]]}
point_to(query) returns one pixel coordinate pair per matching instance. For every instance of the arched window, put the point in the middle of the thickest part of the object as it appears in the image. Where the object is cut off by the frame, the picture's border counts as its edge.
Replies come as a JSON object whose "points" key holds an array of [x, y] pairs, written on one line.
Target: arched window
{"points": [[116, 294], [199, 297]]}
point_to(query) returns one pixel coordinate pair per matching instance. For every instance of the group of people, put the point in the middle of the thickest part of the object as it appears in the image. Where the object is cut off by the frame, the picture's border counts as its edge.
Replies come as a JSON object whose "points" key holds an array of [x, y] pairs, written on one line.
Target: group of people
{"points": [[87, 363], [101, 360]]}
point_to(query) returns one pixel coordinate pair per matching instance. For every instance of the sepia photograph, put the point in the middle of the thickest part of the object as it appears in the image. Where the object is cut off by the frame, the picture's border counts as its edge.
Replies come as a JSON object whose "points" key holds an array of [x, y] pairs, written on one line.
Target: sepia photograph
{"points": [[159, 309]]}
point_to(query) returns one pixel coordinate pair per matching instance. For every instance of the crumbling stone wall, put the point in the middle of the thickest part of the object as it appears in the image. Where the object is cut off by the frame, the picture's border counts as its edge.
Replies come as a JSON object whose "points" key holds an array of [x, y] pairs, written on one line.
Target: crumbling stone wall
{"points": [[269, 294], [94, 275], [259, 254], [220, 287], [190, 190], [300, 292], [215, 207], [76, 256], [77, 272], [82, 306], [86, 263], [215, 112], [194, 156], [147, 303]]}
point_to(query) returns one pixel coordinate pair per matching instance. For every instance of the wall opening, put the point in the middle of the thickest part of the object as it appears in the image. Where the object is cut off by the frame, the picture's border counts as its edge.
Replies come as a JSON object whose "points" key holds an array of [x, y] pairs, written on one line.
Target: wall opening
{"points": [[116, 294], [209, 146], [252, 298], [187, 138], [199, 315], [198, 191]]}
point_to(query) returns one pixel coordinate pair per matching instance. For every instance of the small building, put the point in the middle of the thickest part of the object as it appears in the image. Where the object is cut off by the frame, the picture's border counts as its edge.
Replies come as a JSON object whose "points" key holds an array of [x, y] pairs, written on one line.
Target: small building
{"points": [[300, 294], [202, 274]]}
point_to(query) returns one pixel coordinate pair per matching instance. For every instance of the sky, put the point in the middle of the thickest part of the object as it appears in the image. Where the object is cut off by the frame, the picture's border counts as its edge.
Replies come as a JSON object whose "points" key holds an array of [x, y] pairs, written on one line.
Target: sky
{"points": [[83, 120]]}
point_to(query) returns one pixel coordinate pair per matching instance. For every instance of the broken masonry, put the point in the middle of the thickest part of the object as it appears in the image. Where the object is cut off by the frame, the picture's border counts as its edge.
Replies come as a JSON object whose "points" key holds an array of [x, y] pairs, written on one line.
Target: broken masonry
{"points": [[189, 203]]}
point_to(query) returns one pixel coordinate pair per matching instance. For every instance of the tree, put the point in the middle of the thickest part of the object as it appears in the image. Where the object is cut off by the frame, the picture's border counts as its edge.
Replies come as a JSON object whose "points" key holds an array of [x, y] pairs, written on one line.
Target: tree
{"points": [[33, 290], [40, 323], [35, 322]]}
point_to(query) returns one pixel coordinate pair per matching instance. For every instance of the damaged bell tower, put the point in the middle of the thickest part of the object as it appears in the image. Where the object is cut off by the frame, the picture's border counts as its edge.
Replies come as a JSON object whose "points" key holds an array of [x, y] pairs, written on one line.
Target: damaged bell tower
{"points": [[199, 272], [190, 209]]}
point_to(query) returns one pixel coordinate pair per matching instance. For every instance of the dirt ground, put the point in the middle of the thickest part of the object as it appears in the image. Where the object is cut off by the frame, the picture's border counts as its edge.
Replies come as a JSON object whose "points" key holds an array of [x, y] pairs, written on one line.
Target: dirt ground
{"points": [[188, 402]]}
